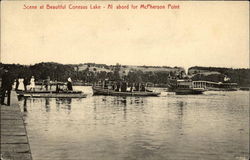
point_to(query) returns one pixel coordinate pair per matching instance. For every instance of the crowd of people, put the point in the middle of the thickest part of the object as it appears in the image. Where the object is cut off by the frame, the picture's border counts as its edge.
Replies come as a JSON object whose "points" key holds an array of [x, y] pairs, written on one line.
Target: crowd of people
{"points": [[125, 86], [22, 84], [8, 83], [69, 86]]}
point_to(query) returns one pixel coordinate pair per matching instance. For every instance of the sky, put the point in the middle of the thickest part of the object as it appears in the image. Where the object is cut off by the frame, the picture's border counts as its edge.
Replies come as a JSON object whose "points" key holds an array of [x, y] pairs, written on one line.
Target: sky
{"points": [[198, 34]]}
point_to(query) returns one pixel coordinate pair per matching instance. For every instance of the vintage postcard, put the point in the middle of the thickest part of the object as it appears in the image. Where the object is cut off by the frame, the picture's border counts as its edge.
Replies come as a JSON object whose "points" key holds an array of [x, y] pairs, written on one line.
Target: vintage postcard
{"points": [[124, 80]]}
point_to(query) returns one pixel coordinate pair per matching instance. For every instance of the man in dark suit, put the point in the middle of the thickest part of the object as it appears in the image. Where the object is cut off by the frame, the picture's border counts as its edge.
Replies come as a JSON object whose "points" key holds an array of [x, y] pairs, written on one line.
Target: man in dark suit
{"points": [[6, 87]]}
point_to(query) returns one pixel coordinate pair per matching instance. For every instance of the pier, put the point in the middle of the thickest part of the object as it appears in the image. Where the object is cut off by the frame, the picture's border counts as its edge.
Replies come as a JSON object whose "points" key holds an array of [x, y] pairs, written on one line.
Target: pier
{"points": [[14, 139]]}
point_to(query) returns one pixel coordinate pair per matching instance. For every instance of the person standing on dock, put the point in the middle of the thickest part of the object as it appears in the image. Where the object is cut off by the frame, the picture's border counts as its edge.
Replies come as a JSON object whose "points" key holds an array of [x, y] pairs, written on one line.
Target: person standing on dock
{"points": [[32, 83], [21, 84], [6, 87], [47, 83], [16, 84], [25, 83]]}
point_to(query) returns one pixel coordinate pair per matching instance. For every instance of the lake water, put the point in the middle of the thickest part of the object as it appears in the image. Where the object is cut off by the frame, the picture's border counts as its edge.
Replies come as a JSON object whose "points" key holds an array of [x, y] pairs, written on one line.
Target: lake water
{"points": [[212, 126]]}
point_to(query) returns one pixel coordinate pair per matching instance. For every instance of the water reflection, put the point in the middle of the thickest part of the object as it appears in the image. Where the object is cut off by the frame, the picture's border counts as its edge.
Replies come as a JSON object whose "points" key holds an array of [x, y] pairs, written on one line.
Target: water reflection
{"points": [[25, 105], [180, 114], [63, 103], [180, 107], [116, 100], [47, 104]]}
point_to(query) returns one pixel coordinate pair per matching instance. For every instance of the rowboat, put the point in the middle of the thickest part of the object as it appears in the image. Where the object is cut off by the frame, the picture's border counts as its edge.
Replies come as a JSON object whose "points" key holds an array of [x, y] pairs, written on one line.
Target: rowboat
{"points": [[52, 94], [97, 90]]}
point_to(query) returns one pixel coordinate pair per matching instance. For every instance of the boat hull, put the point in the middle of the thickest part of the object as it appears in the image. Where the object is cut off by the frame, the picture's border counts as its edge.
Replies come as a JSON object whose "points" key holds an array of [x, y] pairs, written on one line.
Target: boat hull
{"points": [[100, 91], [188, 91], [245, 88], [220, 89], [52, 94]]}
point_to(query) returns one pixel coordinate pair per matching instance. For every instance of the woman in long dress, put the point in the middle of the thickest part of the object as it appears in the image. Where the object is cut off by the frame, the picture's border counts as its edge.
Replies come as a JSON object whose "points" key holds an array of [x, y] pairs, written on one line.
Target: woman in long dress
{"points": [[21, 85], [32, 83], [69, 84]]}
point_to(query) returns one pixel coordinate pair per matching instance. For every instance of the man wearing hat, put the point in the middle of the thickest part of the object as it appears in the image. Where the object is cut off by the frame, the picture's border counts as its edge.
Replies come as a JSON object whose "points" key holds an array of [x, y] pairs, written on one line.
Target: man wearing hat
{"points": [[6, 86]]}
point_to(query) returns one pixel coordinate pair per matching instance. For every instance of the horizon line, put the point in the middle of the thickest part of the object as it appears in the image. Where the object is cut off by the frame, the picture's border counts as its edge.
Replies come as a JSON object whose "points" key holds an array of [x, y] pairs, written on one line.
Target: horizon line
{"points": [[123, 65]]}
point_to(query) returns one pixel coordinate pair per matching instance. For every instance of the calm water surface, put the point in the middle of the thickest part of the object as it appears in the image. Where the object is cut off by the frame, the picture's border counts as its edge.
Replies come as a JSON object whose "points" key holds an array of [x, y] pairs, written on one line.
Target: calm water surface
{"points": [[170, 127]]}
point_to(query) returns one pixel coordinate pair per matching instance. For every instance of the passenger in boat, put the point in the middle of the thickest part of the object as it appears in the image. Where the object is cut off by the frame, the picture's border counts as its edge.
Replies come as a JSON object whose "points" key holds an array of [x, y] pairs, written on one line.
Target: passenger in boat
{"points": [[118, 87], [60, 87], [69, 84], [47, 83], [32, 83], [105, 84], [50, 85], [6, 86], [131, 87], [127, 87], [42, 85], [57, 87], [115, 86], [124, 87], [137, 86], [143, 89]]}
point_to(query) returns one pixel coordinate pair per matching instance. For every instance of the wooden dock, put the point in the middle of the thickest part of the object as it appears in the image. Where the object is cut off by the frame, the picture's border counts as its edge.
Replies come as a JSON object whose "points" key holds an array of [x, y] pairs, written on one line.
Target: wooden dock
{"points": [[14, 140]]}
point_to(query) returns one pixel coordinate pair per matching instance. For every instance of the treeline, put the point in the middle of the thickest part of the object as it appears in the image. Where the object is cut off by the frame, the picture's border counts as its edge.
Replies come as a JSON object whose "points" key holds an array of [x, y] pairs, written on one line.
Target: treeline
{"points": [[61, 72], [41, 71], [241, 76]]}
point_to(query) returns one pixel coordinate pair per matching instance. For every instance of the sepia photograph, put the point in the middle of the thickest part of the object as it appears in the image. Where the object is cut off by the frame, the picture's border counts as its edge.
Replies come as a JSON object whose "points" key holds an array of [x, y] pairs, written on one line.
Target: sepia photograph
{"points": [[124, 80]]}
